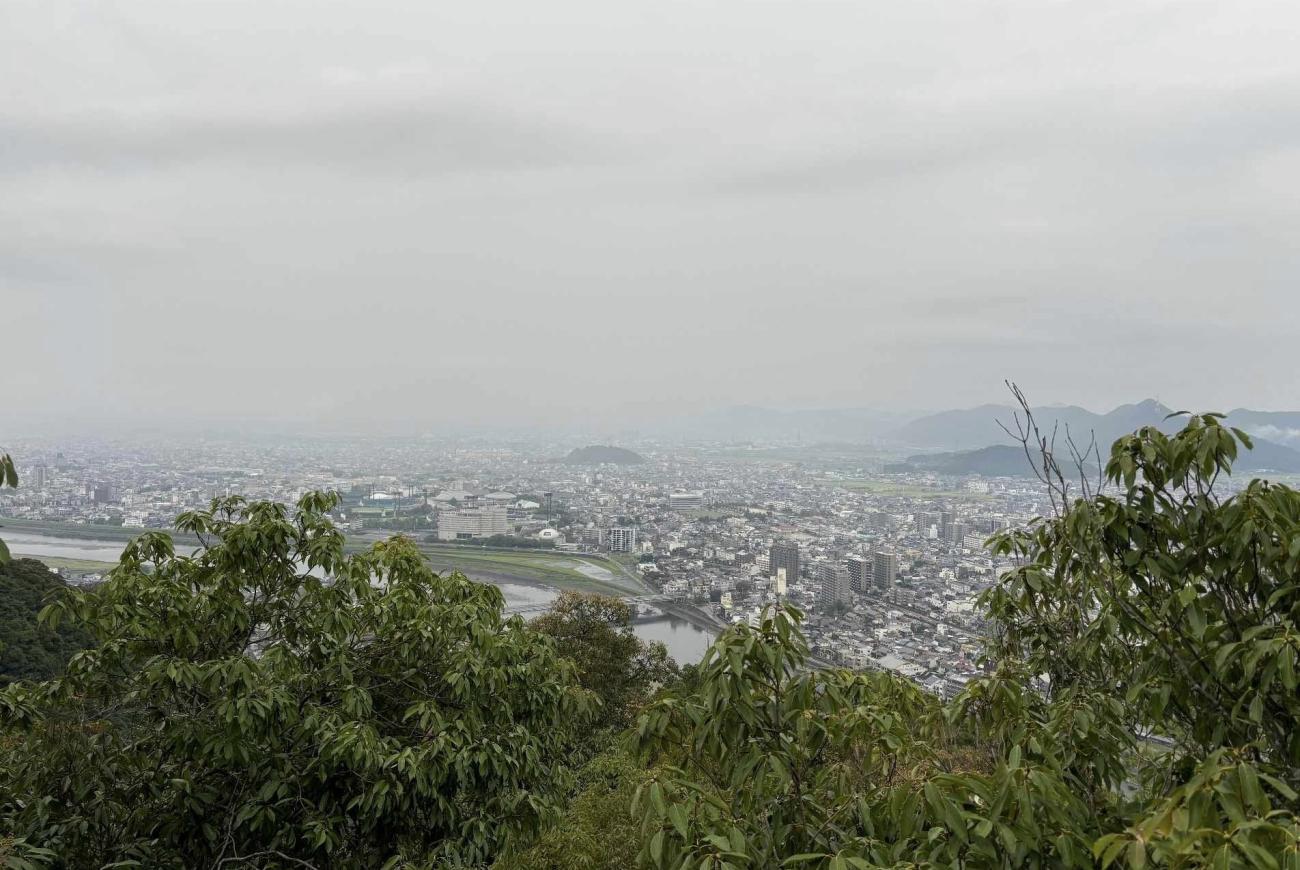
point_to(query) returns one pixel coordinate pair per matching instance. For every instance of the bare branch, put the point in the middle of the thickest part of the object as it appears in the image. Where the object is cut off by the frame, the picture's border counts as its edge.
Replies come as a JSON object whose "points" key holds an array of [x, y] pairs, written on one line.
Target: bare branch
{"points": [[1040, 452], [269, 853]]}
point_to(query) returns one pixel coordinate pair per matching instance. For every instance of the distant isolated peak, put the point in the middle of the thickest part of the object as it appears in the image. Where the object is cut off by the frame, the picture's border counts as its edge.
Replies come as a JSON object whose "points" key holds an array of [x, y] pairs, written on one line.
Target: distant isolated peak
{"points": [[598, 454]]}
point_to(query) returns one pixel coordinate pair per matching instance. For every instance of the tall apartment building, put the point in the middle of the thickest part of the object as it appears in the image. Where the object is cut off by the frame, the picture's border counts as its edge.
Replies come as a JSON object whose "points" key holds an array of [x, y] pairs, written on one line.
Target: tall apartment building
{"points": [[621, 540], [784, 554], [471, 523], [885, 569], [860, 574], [833, 584]]}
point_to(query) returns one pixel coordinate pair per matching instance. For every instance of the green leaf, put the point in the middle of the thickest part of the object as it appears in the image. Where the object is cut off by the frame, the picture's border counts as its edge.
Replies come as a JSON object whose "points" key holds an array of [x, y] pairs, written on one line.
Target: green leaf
{"points": [[677, 815], [1106, 849], [1286, 667], [657, 848]]}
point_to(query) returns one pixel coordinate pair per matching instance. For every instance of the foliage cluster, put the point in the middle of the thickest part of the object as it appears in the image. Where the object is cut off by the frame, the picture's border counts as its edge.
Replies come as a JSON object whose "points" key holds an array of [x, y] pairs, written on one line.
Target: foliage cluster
{"points": [[29, 651], [9, 478], [621, 670], [1141, 706], [238, 710], [598, 831]]}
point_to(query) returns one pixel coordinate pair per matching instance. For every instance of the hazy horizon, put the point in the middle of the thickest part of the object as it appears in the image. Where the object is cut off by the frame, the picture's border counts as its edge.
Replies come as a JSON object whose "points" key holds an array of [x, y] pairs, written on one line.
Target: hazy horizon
{"points": [[415, 218], [881, 426]]}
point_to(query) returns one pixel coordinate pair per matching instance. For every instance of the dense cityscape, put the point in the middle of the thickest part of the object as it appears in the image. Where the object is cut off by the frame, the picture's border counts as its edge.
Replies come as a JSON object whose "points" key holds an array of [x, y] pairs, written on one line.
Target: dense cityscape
{"points": [[886, 564]]}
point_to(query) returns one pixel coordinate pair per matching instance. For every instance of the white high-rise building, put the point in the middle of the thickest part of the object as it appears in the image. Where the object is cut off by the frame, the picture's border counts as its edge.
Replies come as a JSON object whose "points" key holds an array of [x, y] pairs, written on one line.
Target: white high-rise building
{"points": [[472, 523], [885, 569], [621, 540], [860, 573]]}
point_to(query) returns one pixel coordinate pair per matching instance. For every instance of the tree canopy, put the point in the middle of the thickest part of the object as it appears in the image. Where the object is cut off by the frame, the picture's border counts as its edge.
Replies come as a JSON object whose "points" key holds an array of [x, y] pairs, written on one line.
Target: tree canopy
{"points": [[28, 650], [1140, 707], [9, 478], [595, 633], [241, 710]]}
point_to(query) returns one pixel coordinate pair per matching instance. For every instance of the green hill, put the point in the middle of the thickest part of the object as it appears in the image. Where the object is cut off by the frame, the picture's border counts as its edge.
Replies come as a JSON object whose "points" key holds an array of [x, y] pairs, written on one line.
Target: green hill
{"points": [[29, 651], [600, 454]]}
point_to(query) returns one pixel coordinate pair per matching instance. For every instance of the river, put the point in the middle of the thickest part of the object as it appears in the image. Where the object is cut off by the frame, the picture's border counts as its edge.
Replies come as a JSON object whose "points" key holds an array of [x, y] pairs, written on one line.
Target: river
{"points": [[28, 544], [686, 642]]}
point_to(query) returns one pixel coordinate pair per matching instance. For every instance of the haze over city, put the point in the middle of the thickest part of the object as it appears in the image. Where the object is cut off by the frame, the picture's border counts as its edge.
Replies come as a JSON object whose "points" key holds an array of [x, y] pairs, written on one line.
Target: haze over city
{"points": [[649, 434], [412, 217]]}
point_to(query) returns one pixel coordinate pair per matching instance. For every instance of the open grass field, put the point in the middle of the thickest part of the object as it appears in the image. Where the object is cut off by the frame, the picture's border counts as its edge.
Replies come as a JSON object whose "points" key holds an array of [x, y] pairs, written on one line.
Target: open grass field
{"points": [[89, 566], [705, 514], [562, 570]]}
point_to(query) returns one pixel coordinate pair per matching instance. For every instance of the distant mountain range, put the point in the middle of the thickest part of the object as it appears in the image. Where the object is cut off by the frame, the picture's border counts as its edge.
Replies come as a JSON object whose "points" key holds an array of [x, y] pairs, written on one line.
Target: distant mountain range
{"points": [[999, 460], [964, 434], [978, 427], [968, 433], [743, 423], [1280, 427], [600, 454]]}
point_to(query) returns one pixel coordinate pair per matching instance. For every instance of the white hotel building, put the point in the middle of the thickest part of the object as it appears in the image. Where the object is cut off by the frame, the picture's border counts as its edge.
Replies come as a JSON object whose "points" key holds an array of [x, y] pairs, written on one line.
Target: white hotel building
{"points": [[471, 523]]}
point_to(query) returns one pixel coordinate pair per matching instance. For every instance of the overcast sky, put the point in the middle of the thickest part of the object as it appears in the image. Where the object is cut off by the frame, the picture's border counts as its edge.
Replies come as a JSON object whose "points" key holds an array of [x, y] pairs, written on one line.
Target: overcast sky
{"points": [[374, 214]]}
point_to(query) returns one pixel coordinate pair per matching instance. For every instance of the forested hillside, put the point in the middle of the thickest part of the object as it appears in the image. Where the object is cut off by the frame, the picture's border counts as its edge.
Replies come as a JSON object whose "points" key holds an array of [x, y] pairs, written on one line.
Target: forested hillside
{"points": [[29, 651]]}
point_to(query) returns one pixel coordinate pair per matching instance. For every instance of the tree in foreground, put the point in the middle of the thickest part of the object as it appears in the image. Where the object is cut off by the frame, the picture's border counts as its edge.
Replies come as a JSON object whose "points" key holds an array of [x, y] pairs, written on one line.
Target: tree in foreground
{"points": [[1141, 708], [621, 670], [598, 831], [241, 711], [28, 650], [1172, 612], [9, 478]]}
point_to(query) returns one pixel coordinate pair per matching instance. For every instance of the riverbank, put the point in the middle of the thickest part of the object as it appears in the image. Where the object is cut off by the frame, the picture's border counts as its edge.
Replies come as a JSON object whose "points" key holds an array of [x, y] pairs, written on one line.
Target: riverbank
{"points": [[94, 548], [561, 570], [61, 563], [87, 531], [528, 579]]}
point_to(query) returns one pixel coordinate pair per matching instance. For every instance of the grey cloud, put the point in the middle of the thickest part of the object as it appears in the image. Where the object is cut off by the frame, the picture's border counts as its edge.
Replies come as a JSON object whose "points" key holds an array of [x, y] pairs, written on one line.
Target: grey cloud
{"points": [[1168, 131], [416, 137], [516, 213]]}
